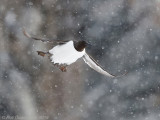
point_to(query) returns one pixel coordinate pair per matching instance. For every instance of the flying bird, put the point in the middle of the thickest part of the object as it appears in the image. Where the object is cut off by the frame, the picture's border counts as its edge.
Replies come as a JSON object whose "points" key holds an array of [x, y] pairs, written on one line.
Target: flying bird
{"points": [[65, 53]]}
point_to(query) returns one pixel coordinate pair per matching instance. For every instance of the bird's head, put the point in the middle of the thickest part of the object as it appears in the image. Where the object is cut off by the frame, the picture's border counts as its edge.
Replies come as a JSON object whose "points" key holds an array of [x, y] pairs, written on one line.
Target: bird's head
{"points": [[80, 45]]}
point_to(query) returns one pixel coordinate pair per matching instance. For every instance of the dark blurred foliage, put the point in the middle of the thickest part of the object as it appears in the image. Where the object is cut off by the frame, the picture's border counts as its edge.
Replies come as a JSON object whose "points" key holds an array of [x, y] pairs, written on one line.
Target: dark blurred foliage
{"points": [[123, 35]]}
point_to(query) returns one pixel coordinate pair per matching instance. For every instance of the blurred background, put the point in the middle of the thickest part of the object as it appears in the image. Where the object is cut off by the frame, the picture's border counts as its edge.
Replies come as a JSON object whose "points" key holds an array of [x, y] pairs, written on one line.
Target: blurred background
{"points": [[124, 34]]}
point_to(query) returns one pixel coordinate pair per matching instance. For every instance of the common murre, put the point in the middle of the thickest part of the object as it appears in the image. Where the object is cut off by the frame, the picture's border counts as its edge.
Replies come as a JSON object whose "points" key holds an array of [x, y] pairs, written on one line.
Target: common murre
{"points": [[65, 53]]}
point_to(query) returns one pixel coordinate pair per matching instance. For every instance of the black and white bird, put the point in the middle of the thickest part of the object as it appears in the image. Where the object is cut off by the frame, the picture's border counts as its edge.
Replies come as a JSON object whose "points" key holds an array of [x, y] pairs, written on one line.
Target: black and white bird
{"points": [[65, 53]]}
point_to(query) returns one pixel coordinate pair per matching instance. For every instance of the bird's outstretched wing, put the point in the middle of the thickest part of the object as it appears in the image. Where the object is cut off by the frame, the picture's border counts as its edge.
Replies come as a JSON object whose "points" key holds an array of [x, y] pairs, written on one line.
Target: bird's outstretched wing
{"points": [[94, 65], [43, 40]]}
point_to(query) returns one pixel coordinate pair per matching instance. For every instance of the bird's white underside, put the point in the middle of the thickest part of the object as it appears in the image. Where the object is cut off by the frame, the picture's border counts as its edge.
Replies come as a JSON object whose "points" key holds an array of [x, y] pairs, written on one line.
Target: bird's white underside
{"points": [[65, 54]]}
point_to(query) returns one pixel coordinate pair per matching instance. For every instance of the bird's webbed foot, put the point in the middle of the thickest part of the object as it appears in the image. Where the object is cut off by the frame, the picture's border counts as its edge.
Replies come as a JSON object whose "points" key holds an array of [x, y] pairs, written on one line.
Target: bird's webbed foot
{"points": [[63, 67], [43, 53]]}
